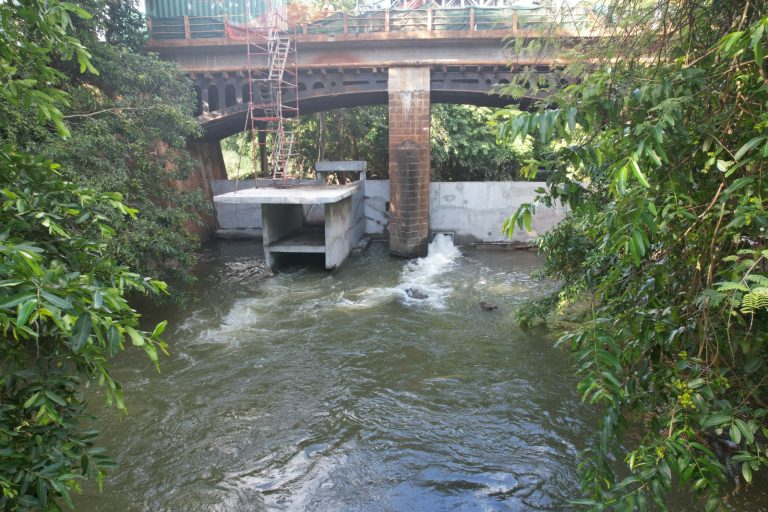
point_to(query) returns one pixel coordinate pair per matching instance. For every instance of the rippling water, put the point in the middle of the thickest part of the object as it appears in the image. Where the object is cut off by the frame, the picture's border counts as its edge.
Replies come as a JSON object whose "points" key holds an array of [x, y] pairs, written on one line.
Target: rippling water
{"points": [[339, 392]]}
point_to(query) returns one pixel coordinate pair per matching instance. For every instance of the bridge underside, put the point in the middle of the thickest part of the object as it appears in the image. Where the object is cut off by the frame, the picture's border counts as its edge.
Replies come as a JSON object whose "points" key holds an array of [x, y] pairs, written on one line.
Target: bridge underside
{"points": [[223, 96], [409, 91]]}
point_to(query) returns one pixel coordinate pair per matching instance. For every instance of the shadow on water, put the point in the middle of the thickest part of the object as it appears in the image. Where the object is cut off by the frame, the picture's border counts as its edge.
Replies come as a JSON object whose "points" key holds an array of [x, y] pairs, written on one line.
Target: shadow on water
{"points": [[325, 391]]}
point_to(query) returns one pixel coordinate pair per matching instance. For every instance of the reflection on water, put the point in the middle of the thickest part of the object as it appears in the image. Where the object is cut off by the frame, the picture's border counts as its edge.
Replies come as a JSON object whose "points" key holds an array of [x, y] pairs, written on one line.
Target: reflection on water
{"points": [[325, 392]]}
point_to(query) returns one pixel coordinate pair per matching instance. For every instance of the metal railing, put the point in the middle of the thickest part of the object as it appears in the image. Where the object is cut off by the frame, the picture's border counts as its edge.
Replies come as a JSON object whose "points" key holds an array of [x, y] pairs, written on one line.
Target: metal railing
{"points": [[473, 18]]}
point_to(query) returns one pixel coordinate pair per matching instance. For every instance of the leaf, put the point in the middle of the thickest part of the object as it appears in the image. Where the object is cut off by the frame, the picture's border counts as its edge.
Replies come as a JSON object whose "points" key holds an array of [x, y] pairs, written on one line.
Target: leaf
{"points": [[570, 115], [25, 310], [744, 428], [639, 174], [715, 420], [752, 144], [159, 328], [9, 302], [738, 184], [56, 300], [55, 398], [757, 46], [31, 400], [113, 336], [735, 434], [136, 338], [746, 471], [81, 332]]}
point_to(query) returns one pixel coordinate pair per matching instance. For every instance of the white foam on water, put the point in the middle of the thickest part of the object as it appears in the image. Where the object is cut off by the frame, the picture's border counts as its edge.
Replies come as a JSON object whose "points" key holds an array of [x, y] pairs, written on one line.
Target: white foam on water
{"points": [[423, 274]]}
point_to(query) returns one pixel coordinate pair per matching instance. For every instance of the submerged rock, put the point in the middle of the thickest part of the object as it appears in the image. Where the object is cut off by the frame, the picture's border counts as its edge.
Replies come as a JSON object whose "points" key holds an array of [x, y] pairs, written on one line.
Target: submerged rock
{"points": [[416, 294], [488, 306]]}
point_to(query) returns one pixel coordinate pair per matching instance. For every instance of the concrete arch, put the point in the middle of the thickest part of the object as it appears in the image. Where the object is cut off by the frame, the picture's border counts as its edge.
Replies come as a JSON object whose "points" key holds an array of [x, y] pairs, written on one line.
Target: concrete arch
{"points": [[329, 89]]}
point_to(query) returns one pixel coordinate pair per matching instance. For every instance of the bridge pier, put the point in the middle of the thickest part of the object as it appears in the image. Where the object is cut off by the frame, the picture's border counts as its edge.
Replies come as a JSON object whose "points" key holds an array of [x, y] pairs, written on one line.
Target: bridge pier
{"points": [[210, 167], [409, 155]]}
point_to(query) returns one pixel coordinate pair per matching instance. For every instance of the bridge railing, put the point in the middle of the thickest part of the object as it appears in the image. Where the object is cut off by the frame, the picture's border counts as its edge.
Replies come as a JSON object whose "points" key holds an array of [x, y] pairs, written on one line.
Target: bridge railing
{"points": [[388, 20]]}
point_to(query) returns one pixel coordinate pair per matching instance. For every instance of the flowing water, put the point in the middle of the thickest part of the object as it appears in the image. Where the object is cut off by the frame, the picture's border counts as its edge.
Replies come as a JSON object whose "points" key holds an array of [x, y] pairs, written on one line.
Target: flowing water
{"points": [[343, 392]]}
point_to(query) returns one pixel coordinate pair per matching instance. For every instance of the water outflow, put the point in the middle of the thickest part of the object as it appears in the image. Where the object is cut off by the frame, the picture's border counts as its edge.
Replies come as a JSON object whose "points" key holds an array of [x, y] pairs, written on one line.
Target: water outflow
{"points": [[422, 282]]}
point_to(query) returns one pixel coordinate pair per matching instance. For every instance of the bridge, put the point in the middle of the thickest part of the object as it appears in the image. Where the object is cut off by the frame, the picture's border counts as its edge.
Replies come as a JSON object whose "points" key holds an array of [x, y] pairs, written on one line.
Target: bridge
{"points": [[405, 59]]}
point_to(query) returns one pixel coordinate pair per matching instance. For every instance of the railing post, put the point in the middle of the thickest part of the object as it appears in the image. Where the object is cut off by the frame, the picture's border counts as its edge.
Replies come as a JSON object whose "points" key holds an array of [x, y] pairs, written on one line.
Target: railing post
{"points": [[471, 18], [514, 23], [346, 23], [187, 30], [429, 20], [386, 20]]}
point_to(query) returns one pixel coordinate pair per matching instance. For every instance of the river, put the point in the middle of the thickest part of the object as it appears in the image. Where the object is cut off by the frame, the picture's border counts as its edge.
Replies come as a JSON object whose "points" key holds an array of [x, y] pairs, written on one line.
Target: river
{"points": [[338, 391]]}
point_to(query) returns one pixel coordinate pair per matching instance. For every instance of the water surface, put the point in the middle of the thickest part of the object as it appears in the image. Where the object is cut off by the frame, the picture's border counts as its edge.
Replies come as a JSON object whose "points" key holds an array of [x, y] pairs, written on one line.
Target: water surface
{"points": [[338, 392]]}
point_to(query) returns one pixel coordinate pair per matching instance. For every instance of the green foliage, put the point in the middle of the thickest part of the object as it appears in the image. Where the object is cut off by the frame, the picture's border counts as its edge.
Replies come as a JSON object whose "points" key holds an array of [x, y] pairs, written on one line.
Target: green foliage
{"points": [[359, 133], [464, 146], [63, 313], [462, 143], [132, 123], [660, 152], [63, 281], [32, 34]]}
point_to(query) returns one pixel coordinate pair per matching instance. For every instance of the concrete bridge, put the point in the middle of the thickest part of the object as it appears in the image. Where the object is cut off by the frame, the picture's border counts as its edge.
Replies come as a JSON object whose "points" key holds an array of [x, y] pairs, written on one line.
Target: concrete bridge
{"points": [[368, 60]]}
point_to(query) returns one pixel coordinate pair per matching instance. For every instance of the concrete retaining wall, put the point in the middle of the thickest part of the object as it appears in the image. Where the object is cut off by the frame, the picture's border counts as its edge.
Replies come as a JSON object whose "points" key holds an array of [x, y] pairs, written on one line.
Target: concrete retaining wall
{"points": [[473, 211]]}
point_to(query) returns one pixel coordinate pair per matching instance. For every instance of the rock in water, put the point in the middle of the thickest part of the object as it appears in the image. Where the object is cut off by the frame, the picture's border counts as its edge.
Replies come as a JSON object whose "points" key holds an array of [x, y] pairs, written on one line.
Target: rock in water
{"points": [[416, 294], [488, 306]]}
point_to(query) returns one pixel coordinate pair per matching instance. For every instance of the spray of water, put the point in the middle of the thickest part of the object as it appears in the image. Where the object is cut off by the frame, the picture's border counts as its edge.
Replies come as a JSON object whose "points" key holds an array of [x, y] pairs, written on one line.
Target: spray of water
{"points": [[420, 281]]}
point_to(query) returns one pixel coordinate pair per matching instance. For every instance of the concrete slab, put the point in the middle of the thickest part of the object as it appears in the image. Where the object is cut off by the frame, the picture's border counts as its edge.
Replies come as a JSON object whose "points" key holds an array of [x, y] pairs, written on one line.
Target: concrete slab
{"points": [[305, 240], [297, 194], [341, 165]]}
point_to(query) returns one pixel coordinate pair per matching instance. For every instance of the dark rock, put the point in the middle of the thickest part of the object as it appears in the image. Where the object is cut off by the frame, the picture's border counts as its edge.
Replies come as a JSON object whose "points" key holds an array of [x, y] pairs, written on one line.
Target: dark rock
{"points": [[416, 294], [488, 306]]}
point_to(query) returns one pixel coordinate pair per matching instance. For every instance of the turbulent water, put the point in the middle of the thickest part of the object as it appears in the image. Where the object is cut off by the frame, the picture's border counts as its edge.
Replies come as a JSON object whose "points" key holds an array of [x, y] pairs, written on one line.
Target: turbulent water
{"points": [[343, 392]]}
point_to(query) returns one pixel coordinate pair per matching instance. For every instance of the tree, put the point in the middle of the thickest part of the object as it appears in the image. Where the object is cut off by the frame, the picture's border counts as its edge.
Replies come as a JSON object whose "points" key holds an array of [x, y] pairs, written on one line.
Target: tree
{"points": [[132, 121], [63, 307], [661, 153], [464, 146]]}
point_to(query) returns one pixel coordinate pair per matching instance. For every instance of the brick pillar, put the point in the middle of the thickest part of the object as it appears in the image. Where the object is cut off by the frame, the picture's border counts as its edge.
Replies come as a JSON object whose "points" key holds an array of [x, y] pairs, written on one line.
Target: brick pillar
{"points": [[409, 123]]}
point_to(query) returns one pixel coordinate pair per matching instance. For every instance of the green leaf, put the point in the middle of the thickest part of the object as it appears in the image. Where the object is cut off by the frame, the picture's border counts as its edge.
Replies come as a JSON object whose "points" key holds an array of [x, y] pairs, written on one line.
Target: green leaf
{"points": [[25, 310], [136, 338], [159, 329], [81, 332], [735, 434], [744, 428], [752, 144], [746, 471], [757, 45], [113, 336], [30, 402], [55, 398], [639, 174], [9, 302], [715, 420], [56, 300]]}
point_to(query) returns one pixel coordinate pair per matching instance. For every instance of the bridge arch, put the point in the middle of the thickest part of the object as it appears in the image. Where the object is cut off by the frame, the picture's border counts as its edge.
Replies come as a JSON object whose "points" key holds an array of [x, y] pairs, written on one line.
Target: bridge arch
{"points": [[325, 89]]}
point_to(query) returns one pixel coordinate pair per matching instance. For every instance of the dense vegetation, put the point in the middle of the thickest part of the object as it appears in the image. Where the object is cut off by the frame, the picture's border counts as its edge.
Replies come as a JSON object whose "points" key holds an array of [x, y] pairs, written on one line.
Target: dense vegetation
{"points": [[463, 144], [660, 152], [71, 236]]}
